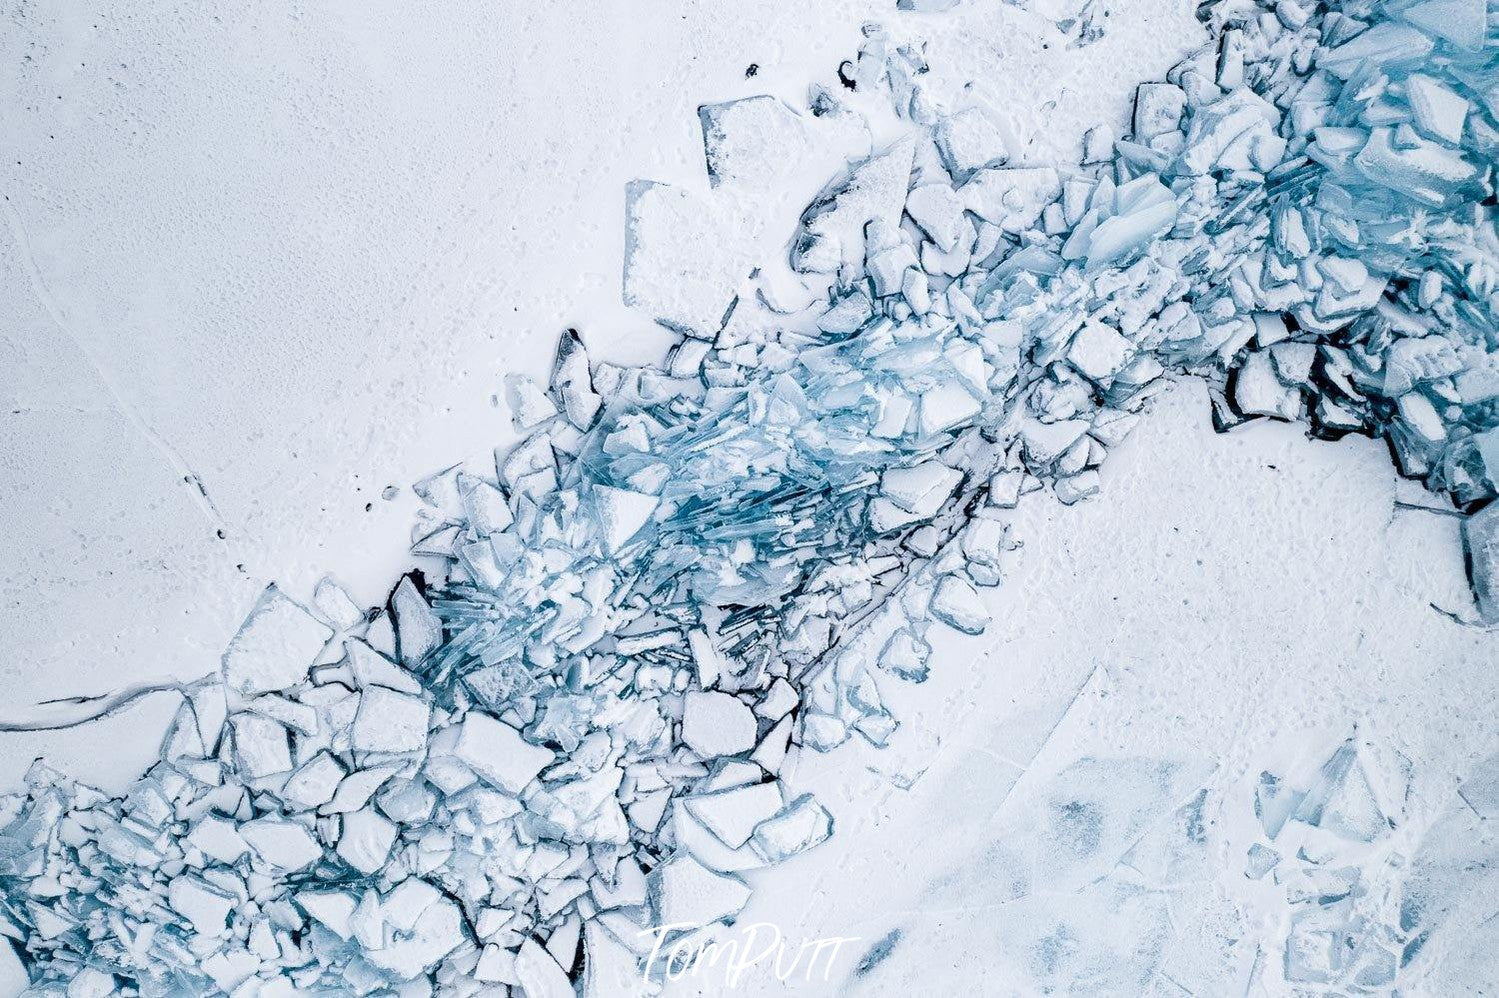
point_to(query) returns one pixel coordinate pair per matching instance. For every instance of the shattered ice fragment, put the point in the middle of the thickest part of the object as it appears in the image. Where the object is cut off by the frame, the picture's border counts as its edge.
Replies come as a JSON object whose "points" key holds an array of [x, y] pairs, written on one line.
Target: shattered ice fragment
{"points": [[1260, 862], [1158, 110], [218, 839], [621, 514], [945, 407], [733, 814], [1258, 392], [1464, 23], [314, 782], [921, 486], [1011, 197], [261, 747], [335, 605], [958, 605], [1385, 43], [968, 141], [418, 630], [939, 212], [538, 974], [372, 669], [832, 229], [803, 825], [529, 405], [572, 381], [1098, 351], [1341, 800], [684, 257], [205, 908], [1440, 111], [717, 724], [436, 932], [275, 646], [684, 892], [905, 655], [498, 754], [366, 840], [284, 845], [388, 721]]}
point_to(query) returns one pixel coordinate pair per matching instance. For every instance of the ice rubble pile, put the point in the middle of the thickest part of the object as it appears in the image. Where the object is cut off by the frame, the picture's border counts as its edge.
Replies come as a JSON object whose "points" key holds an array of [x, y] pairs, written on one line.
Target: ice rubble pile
{"points": [[1305, 206], [687, 571], [1330, 852], [1365, 892]]}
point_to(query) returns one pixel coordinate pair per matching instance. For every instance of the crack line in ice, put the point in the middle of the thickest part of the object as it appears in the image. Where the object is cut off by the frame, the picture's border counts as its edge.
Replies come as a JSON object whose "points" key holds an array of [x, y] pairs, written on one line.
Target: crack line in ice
{"points": [[687, 572]]}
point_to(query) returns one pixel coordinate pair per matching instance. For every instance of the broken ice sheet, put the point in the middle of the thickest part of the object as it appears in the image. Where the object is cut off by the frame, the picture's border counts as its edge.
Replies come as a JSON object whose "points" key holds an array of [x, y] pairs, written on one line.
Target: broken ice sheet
{"points": [[688, 573]]}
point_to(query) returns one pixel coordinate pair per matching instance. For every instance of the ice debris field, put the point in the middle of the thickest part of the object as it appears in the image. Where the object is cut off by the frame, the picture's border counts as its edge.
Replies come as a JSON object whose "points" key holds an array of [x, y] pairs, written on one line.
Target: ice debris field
{"points": [[509, 773]]}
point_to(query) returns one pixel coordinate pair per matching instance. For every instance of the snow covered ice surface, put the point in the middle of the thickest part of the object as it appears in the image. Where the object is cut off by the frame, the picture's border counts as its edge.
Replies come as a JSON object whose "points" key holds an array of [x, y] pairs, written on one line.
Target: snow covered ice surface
{"points": [[691, 636]]}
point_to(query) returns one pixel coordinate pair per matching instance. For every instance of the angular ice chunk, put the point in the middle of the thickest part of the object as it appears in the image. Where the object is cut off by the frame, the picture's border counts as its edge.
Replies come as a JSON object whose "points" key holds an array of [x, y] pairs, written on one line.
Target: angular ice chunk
{"points": [[803, 825], [1158, 110], [968, 141], [314, 782], [1098, 351], [1387, 44], [945, 407], [388, 721], [939, 211], [218, 839], [438, 930], [717, 724], [285, 845], [685, 257], [1464, 23], [418, 630], [621, 514], [335, 604], [905, 655], [1426, 171], [1261, 860], [539, 975], [684, 892], [573, 381], [1440, 111], [529, 405], [206, 908], [370, 668], [275, 646], [1012, 198], [921, 488], [260, 746], [1341, 799], [366, 840], [498, 754], [1258, 392], [733, 814], [957, 604]]}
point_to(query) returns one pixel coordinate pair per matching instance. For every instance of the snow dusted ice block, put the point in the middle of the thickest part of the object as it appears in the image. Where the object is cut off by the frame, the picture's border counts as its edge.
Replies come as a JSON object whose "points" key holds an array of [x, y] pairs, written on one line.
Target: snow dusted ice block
{"points": [[497, 753], [275, 646], [678, 266]]}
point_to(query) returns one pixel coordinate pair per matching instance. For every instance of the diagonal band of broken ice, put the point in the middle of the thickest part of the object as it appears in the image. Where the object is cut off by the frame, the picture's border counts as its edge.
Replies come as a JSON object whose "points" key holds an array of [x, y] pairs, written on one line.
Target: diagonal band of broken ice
{"points": [[686, 571]]}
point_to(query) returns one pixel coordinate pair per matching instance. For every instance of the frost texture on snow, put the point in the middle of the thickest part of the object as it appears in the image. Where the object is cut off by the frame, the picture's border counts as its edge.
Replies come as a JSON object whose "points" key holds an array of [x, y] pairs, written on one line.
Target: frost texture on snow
{"points": [[687, 572]]}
